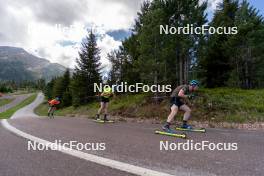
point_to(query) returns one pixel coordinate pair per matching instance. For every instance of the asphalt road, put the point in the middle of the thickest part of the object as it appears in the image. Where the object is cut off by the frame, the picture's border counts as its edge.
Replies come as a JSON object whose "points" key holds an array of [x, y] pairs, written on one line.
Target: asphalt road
{"points": [[17, 99], [16, 160], [29, 110], [131, 143]]}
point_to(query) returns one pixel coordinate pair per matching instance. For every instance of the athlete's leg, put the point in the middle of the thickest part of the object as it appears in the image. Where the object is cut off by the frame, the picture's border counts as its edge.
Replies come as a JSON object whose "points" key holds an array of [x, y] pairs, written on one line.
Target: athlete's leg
{"points": [[106, 107], [52, 111], [106, 110], [187, 114], [173, 113], [102, 106], [174, 110], [49, 111]]}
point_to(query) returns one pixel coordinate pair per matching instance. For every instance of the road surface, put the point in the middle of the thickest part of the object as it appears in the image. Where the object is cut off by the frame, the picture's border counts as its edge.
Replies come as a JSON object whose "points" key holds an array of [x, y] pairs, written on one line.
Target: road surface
{"points": [[17, 99], [133, 145]]}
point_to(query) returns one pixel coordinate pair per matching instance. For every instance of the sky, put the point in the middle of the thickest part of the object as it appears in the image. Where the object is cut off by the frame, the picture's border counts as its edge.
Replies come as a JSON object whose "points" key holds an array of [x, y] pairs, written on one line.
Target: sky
{"points": [[55, 29], [258, 4]]}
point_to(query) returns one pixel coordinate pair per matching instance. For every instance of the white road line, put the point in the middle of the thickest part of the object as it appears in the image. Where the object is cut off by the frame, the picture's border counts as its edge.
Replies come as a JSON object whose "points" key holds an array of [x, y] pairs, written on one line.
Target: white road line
{"points": [[89, 157]]}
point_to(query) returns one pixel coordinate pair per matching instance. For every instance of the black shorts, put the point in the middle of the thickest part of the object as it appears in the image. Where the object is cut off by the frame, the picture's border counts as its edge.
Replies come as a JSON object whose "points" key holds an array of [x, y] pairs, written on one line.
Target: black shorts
{"points": [[176, 101], [104, 100]]}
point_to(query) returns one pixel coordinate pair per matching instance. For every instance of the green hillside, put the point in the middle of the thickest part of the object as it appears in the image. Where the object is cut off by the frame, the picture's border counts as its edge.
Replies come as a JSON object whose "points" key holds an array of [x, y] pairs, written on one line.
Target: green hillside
{"points": [[218, 105], [16, 64]]}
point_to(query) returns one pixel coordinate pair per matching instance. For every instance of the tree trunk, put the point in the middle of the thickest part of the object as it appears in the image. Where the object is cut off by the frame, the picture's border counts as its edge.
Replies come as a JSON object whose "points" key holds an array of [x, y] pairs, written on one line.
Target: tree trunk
{"points": [[186, 70], [181, 71], [247, 68]]}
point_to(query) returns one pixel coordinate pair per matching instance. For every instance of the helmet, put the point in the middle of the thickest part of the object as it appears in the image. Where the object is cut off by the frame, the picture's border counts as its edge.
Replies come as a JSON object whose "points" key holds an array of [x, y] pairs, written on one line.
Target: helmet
{"points": [[57, 98], [194, 83], [105, 80], [107, 89]]}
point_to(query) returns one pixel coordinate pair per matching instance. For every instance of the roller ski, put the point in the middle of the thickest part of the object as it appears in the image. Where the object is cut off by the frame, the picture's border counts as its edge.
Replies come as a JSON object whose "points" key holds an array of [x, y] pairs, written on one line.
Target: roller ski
{"points": [[186, 127], [169, 132], [105, 120]]}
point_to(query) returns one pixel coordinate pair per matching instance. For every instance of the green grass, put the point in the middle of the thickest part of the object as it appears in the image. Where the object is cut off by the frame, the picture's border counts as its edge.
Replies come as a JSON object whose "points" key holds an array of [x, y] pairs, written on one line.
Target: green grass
{"points": [[42, 110], [5, 101], [117, 105], [231, 105], [214, 105], [22, 91], [11, 111]]}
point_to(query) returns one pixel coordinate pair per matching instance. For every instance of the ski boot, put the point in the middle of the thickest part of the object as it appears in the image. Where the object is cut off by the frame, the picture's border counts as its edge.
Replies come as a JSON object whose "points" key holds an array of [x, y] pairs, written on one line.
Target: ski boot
{"points": [[186, 126]]}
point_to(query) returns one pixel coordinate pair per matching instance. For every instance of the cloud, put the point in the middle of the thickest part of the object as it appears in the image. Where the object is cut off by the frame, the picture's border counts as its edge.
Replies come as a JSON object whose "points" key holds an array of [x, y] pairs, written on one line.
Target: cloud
{"points": [[38, 26], [212, 4], [50, 11], [54, 29], [107, 44], [13, 27]]}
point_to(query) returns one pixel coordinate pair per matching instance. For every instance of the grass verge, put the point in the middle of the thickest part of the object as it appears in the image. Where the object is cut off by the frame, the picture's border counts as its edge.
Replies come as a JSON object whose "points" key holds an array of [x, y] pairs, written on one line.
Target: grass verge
{"points": [[211, 105], [11, 111], [5, 101], [117, 105]]}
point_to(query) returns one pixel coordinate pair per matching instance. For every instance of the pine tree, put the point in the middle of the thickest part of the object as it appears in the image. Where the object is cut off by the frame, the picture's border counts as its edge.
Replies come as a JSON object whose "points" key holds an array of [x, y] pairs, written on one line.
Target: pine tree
{"points": [[235, 60], [165, 58], [215, 63], [41, 84], [61, 84], [60, 87], [48, 91], [182, 50], [66, 95], [87, 71], [246, 48]]}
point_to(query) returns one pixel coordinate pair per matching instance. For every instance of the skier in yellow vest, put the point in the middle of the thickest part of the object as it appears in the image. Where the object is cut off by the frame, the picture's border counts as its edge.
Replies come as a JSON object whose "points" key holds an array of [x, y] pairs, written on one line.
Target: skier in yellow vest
{"points": [[105, 98]]}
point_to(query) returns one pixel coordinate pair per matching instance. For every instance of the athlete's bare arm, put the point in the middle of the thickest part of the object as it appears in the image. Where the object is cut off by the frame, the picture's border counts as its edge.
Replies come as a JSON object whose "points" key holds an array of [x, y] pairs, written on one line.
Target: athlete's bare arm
{"points": [[182, 95]]}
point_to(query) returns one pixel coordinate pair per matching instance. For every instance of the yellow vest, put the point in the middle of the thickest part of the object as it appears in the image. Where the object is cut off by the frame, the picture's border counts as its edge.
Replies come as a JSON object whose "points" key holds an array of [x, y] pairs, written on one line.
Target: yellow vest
{"points": [[107, 92]]}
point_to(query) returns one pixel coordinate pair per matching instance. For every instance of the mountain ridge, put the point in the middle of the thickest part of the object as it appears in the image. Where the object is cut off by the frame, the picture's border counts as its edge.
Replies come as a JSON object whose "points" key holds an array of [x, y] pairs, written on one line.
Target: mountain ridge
{"points": [[17, 64]]}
